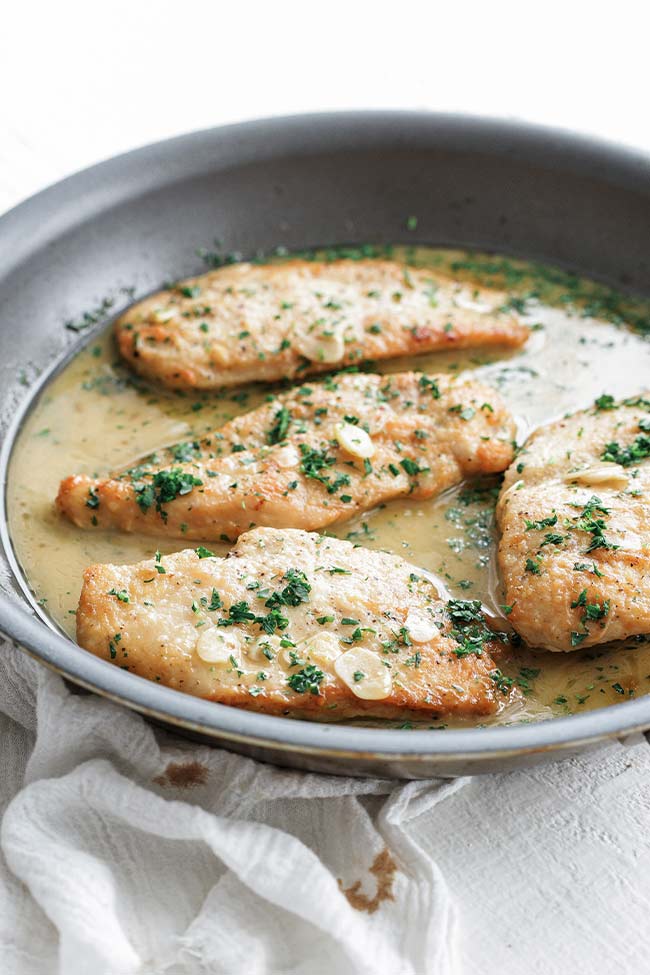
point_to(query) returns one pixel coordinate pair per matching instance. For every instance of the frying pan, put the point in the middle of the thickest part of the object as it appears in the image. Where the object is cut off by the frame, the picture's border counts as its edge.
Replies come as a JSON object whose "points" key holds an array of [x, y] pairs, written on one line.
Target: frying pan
{"points": [[138, 220]]}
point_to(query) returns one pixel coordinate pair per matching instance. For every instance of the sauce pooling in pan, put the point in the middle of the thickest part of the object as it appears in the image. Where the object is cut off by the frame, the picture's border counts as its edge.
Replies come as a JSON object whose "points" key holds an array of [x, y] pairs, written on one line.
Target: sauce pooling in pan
{"points": [[586, 341]]}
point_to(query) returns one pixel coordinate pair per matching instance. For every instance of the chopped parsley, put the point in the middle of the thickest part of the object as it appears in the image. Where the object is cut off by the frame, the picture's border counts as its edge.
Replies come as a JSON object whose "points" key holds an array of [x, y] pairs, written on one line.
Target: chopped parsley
{"points": [[469, 628], [278, 431], [274, 620], [590, 612], [315, 462], [553, 538], [415, 660], [543, 523], [429, 385], [120, 594], [306, 680], [585, 567], [526, 675], [605, 402], [165, 486], [465, 412], [638, 450], [190, 291], [238, 613], [591, 522], [412, 467], [503, 683], [204, 553], [186, 451], [295, 592]]}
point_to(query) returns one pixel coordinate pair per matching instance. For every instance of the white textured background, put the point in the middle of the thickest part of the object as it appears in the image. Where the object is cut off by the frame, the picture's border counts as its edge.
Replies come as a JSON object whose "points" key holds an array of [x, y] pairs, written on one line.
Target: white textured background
{"points": [[80, 81]]}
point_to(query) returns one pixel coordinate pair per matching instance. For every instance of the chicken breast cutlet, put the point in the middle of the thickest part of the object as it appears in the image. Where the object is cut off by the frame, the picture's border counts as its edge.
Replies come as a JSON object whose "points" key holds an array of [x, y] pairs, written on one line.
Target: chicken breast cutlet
{"points": [[248, 322], [574, 516], [307, 459], [295, 623]]}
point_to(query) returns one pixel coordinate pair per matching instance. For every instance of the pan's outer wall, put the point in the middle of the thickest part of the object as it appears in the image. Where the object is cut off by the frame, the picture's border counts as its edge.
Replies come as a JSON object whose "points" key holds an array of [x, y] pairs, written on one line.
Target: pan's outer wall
{"points": [[138, 220]]}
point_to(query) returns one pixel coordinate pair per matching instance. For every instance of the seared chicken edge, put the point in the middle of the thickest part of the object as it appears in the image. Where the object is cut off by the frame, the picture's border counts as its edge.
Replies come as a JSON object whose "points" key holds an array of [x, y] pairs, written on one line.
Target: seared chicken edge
{"points": [[307, 459], [574, 516], [299, 624], [248, 322]]}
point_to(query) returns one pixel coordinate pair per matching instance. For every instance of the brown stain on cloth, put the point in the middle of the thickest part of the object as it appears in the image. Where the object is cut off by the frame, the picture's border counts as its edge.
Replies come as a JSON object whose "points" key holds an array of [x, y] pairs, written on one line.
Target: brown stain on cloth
{"points": [[183, 775], [384, 869]]}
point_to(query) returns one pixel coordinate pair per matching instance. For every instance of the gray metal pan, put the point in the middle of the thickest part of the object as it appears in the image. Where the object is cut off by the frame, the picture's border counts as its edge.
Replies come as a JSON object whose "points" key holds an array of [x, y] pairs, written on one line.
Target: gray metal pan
{"points": [[138, 220]]}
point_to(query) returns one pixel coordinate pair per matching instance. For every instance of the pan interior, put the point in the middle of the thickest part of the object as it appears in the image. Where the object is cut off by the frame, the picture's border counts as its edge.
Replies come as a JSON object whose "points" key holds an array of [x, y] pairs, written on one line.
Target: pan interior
{"points": [[94, 416]]}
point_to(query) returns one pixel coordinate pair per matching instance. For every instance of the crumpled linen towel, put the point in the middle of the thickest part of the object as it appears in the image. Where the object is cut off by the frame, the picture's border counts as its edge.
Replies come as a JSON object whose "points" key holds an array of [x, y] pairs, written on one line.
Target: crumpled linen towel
{"points": [[148, 854], [127, 850]]}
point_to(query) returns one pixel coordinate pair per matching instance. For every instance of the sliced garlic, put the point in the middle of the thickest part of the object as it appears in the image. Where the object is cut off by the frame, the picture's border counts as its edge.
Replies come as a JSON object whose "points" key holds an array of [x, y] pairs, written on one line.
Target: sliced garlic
{"points": [[286, 456], [354, 440], [217, 648], [421, 628], [260, 650], [289, 657], [373, 680], [470, 304], [323, 649], [606, 473], [164, 314], [317, 346]]}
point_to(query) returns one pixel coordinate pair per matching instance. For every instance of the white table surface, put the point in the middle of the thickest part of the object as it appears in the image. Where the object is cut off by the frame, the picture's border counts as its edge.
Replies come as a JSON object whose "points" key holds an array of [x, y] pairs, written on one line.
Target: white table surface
{"points": [[82, 81]]}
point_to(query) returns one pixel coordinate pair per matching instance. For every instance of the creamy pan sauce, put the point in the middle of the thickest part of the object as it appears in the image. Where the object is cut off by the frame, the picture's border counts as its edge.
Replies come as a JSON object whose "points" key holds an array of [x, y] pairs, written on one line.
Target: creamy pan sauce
{"points": [[95, 417]]}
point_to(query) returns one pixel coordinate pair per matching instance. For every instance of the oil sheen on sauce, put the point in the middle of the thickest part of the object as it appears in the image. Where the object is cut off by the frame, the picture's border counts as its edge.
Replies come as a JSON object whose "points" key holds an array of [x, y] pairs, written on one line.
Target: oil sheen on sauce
{"points": [[95, 416]]}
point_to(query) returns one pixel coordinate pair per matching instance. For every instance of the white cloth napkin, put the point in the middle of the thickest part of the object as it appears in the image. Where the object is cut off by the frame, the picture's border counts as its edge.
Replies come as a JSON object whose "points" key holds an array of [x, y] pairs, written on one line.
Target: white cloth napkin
{"points": [[126, 850]]}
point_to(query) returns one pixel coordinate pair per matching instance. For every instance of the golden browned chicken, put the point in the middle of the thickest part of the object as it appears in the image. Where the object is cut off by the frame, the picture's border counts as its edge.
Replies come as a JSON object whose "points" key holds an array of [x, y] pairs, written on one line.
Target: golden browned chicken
{"points": [[295, 623], [574, 514], [251, 322], [307, 459]]}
